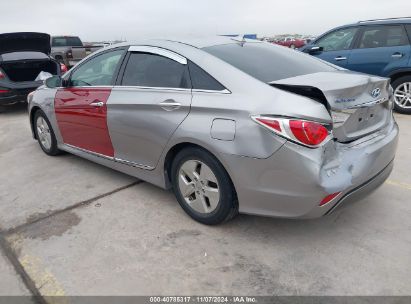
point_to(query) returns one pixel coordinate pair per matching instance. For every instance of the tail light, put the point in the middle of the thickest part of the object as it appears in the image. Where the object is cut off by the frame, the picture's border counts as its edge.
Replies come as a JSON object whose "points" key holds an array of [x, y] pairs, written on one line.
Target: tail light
{"points": [[2, 75], [63, 68], [308, 133], [4, 91]]}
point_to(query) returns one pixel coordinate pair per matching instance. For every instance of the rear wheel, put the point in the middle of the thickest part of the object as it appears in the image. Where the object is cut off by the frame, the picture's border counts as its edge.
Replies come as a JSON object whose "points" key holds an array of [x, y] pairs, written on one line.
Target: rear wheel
{"points": [[202, 187], [292, 46], [402, 94], [44, 134]]}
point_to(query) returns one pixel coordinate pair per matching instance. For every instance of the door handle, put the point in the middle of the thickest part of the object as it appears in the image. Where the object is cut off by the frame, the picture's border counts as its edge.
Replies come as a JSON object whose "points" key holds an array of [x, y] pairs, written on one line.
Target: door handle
{"points": [[97, 104], [170, 105], [340, 58], [397, 55]]}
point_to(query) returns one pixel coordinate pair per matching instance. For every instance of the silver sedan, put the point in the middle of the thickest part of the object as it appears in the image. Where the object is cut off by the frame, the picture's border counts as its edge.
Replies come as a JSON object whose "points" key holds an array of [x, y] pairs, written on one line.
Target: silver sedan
{"points": [[231, 125]]}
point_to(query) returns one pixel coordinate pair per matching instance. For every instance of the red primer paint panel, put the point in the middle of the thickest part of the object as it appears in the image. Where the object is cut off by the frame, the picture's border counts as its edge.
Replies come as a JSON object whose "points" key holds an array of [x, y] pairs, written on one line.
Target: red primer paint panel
{"points": [[83, 125]]}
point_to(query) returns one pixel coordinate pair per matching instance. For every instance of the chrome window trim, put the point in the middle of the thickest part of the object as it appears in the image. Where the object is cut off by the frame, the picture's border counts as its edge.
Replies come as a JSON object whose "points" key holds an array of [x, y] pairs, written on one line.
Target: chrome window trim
{"points": [[158, 51], [115, 159], [136, 88], [225, 91], [89, 87]]}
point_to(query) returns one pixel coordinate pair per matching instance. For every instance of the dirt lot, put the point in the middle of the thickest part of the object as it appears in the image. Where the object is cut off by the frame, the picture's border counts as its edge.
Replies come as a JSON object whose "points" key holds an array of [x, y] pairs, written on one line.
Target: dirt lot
{"points": [[71, 227]]}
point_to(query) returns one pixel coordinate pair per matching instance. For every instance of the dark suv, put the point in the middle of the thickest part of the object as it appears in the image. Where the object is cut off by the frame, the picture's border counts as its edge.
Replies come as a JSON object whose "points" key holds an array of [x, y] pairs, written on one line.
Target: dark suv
{"points": [[379, 47]]}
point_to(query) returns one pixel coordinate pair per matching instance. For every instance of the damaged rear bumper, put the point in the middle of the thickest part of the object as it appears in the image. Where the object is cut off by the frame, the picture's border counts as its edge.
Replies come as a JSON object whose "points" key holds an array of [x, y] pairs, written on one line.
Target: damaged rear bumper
{"points": [[294, 180]]}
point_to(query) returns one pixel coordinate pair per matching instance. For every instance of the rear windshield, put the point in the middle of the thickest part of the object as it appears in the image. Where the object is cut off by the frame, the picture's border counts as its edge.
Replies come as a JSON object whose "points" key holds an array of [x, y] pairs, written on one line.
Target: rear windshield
{"points": [[268, 62], [66, 41]]}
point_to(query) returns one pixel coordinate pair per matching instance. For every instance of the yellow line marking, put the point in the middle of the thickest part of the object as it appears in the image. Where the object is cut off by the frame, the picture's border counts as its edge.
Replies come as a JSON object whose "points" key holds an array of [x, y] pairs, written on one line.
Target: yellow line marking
{"points": [[45, 281], [398, 184]]}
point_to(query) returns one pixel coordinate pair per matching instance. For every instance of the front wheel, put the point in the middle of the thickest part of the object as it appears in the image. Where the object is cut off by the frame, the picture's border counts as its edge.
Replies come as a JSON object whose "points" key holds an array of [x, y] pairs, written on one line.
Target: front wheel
{"points": [[44, 134], [402, 94], [202, 187]]}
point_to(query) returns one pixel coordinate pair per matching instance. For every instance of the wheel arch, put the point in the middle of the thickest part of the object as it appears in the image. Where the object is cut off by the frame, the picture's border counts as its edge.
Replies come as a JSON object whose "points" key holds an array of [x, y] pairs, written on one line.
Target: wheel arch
{"points": [[33, 111], [399, 73], [175, 149]]}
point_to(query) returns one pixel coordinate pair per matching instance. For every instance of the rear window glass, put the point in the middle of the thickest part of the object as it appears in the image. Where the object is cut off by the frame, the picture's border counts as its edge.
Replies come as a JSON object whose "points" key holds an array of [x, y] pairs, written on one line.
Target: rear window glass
{"points": [[22, 56], [66, 41], [268, 62]]}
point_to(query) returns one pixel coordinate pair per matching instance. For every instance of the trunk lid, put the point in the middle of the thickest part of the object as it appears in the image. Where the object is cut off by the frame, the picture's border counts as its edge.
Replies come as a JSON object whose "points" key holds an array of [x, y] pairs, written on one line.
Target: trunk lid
{"points": [[358, 103], [25, 42]]}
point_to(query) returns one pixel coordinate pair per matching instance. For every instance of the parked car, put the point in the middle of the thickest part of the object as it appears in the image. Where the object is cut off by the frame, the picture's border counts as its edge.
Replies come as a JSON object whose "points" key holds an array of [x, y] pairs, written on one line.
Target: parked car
{"points": [[378, 47], [231, 126], [290, 42], [22, 57], [68, 49]]}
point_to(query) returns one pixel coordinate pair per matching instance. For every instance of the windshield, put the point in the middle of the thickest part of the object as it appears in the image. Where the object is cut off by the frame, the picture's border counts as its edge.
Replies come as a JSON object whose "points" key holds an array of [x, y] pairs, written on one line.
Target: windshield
{"points": [[268, 62], [66, 41]]}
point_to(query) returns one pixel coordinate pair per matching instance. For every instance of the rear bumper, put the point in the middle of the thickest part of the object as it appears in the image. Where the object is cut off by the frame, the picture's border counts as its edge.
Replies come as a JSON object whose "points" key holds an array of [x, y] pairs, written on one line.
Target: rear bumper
{"points": [[363, 190], [17, 91], [294, 180]]}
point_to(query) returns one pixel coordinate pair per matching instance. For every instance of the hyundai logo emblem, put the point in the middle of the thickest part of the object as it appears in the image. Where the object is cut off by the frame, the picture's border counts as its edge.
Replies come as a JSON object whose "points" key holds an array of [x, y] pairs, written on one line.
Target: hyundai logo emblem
{"points": [[376, 93]]}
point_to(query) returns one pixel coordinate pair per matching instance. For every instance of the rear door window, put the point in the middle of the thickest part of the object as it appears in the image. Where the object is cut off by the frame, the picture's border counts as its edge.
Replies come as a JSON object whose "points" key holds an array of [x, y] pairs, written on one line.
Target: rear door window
{"points": [[383, 36], [151, 70]]}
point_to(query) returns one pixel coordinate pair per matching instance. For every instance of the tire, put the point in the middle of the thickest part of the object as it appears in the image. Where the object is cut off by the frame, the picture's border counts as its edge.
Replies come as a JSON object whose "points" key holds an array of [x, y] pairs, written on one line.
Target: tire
{"points": [[42, 124], [401, 86], [292, 46], [206, 206]]}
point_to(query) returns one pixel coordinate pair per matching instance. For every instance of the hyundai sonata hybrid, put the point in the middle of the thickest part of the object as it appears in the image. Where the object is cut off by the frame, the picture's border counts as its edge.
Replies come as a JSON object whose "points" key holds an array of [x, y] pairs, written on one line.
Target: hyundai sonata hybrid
{"points": [[231, 125]]}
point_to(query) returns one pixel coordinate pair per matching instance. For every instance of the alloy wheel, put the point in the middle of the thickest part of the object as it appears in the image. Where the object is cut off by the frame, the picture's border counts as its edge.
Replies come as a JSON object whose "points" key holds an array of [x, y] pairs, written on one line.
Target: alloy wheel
{"points": [[198, 186], [402, 95], [43, 132]]}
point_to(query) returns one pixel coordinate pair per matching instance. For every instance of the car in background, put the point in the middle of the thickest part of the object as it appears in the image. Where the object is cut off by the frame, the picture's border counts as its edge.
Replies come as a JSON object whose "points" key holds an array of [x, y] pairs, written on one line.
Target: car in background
{"points": [[290, 42], [70, 49], [380, 47], [231, 125], [22, 57]]}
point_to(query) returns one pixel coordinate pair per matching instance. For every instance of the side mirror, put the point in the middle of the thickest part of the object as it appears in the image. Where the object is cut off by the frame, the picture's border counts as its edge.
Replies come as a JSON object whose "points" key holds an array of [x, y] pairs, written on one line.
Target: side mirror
{"points": [[54, 82], [315, 50]]}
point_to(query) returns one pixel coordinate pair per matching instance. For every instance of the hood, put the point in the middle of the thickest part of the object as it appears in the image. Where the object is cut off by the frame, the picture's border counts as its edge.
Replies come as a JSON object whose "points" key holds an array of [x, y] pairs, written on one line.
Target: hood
{"points": [[25, 42], [341, 89]]}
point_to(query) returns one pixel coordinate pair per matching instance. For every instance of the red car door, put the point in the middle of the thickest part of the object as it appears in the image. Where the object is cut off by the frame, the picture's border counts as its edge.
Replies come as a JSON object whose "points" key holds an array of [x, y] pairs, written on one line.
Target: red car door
{"points": [[81, 114], [81, 108]]}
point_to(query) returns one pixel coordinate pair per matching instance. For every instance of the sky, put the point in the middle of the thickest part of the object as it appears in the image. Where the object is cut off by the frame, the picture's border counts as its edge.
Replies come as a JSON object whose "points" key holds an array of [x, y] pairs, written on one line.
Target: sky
{"points": [[101, 20]]}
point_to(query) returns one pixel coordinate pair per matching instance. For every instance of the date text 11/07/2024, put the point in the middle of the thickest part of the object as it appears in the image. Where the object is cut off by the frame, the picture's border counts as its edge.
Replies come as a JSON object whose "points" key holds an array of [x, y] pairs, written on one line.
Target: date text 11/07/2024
{"points": [[203, 299]]}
